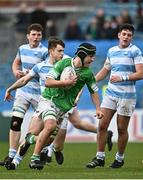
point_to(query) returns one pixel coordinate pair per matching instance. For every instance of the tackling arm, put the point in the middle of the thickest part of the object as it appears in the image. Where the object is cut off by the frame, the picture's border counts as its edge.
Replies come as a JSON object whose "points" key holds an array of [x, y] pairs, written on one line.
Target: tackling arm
{"points": [[19, 83]]}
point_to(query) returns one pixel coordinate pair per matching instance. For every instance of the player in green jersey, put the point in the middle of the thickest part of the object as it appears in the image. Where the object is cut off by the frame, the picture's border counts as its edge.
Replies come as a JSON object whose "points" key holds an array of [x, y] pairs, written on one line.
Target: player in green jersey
{"points": [[56, 100]]}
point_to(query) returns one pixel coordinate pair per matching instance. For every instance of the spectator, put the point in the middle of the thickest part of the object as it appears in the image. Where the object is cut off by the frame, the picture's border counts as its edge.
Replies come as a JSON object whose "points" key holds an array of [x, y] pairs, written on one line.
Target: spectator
{"points": [[73, 31], [92, 30], [107, 31], [115, 26], [39, 15], [21, 24], [139, 20], [51, 29], [100, 17], [120, 1], [126, 17]]}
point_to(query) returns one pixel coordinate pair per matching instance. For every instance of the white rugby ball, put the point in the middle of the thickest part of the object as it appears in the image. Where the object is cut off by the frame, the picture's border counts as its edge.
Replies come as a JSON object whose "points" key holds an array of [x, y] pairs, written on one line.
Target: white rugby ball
{"points": [[67, 73]]}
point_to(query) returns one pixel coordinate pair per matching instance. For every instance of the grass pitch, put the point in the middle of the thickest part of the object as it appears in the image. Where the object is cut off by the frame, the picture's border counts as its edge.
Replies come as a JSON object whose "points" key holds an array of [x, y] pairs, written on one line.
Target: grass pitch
{"points": [[77, 155]]}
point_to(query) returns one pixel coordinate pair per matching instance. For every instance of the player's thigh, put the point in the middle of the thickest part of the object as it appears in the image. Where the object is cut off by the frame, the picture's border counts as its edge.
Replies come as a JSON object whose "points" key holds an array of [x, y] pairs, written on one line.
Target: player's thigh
{"points": [[108, 107], [106, 119], [20, 106], [74, 117], [126, 107]]}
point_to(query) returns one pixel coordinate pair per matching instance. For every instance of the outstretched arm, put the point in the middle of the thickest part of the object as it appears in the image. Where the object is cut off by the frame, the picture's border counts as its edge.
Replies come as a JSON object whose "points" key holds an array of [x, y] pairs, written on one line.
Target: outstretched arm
{"points": [[19, 83]]}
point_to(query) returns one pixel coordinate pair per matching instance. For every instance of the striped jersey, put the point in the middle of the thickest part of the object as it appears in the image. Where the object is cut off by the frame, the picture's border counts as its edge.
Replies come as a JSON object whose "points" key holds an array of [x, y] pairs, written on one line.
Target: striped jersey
{"points": [[29, 57], [122, 62], [40, 70]]}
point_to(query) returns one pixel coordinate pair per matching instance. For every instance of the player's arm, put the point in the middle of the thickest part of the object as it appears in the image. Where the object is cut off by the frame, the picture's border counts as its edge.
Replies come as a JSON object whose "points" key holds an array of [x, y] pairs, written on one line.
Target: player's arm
{"points": [[138, 74], [53, 77], [104, 71], [93, 89], [131, 77], [96, 100], [19, 83], [53, 83], [16, 66], [101, 74], [78, 97]]}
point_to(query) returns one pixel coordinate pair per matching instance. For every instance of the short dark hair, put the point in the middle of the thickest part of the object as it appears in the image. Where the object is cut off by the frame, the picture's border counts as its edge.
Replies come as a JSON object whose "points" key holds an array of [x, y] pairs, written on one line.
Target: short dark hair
{"points": [[129, 27], [35, 26], [54, 41]]}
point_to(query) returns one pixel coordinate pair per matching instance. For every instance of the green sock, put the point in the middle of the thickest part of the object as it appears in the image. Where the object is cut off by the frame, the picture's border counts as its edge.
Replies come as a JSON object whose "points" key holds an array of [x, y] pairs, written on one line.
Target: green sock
{"points": [[31, 139], [35, 157]]}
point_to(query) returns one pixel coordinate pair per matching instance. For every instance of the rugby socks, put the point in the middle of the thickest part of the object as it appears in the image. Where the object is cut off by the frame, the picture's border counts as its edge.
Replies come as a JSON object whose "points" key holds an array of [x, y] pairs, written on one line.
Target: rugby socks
{"points": [[50, 150], [17, 159], [119, 157], [12, 153], [100, 155], [35, 157], [31, 139]]}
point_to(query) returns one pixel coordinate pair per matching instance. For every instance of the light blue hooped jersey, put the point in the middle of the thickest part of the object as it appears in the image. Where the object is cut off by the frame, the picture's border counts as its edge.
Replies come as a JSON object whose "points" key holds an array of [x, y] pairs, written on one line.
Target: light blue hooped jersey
{"points": [[122, 62], [29, 57], [40, 70]]}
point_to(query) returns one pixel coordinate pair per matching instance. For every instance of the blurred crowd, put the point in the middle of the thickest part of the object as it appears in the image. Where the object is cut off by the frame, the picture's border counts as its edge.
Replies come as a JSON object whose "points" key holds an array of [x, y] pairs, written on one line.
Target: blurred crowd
{"points": [[100, 26]]}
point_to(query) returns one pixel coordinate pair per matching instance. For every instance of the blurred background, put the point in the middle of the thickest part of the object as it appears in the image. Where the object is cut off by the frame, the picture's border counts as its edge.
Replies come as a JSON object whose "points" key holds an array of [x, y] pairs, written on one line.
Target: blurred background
{"points": [[74, 21]]}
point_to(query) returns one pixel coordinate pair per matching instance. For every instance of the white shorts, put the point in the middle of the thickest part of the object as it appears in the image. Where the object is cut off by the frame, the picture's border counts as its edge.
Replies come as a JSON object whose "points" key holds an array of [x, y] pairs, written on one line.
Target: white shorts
{"points": [[21, 105], [47, 110], [124, 107]]}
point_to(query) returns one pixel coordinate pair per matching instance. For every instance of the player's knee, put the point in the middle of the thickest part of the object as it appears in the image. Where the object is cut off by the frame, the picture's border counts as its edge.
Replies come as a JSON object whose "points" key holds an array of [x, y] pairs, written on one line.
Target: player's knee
{"points": [[16, 123], [122, 131], [102, 128]]}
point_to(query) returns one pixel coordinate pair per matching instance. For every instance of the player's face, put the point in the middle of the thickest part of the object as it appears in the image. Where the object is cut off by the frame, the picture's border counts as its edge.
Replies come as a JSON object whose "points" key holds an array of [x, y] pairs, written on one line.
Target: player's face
{"points": [[125, 38], [57, 53], [34, 38], [88, 60]]}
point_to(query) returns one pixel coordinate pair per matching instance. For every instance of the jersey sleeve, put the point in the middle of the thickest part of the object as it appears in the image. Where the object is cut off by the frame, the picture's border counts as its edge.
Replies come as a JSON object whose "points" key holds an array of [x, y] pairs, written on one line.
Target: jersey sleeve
{"points": [[56, 71], [91, 83], [34, 72], [18, 54], [137, 56]]}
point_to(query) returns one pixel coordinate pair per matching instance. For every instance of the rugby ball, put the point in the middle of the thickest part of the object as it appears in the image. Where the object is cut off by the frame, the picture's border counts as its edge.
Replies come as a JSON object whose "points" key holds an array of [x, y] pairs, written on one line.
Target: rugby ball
{"points": [[67, 73]]}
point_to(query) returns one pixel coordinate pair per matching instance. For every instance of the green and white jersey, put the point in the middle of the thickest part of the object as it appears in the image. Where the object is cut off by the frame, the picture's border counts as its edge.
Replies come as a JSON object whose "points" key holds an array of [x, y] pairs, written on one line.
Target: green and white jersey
{"points": [[64, 98]]}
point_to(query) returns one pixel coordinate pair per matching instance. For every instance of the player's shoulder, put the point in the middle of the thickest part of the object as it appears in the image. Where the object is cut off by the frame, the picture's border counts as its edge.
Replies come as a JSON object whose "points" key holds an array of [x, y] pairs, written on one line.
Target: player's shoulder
{"points": [[39, 65], [134, 47], [64, 62], [24, 46], [43, 46], [114, 48]]}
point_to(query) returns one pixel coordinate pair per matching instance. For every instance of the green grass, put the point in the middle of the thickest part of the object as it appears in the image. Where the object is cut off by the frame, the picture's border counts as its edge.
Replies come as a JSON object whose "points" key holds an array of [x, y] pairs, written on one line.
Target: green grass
{"points": [[76, 157]]}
